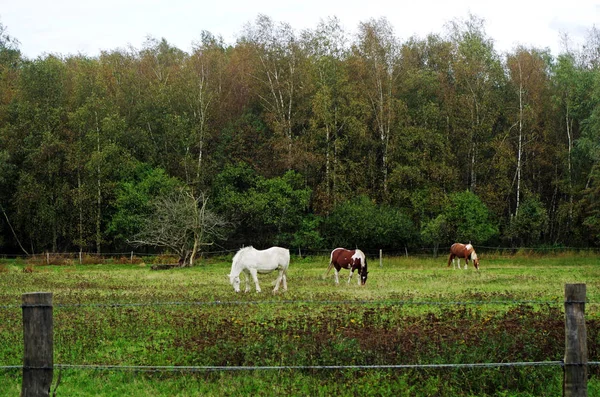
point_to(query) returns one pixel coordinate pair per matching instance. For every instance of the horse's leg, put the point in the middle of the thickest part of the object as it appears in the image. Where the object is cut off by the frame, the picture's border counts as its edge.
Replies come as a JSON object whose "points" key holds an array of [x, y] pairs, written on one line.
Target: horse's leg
{"points": [[278, 281], [337, 280], [351, 274], [255, 278], [247, 281], [284, 280]]}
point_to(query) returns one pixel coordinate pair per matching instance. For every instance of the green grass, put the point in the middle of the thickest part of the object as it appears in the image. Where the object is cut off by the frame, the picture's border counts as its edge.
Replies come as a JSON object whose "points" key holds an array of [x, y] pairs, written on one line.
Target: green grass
{"points": [[404, 315]]}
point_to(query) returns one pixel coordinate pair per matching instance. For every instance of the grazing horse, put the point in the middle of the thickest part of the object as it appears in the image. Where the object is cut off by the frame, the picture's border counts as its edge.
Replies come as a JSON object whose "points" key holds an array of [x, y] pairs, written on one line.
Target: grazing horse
{"points": [[466, 251], [351, 260], [252, 261]]}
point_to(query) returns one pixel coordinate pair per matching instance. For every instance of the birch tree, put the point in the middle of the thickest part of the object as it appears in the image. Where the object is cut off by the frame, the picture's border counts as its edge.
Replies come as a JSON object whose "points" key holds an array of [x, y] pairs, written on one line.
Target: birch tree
{"points": [[477, 75], [377, 49], [204, 81], [527, 71], [326, 47], [277, 53]]}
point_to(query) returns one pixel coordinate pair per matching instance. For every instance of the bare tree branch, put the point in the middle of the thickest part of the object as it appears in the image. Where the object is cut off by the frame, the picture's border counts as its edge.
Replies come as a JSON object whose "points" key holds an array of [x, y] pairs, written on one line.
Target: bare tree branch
{"points": [[181, 222]]}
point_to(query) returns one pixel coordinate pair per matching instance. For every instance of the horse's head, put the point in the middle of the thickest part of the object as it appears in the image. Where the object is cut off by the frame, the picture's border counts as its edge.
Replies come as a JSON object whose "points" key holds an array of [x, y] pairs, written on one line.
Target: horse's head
{"points": [[235, 281], [475, 260], [363, 275], [359, 261]]}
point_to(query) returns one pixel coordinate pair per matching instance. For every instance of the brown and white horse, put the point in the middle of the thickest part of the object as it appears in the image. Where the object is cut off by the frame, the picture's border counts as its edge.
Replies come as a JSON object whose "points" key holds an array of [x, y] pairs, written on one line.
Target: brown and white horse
{"points": [[352, 260], [466, 251]]}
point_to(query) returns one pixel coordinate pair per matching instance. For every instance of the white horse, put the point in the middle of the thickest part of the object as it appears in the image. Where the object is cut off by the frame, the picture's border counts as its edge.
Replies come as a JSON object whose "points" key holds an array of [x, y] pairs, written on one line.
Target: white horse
{"points": [[252, 261]]}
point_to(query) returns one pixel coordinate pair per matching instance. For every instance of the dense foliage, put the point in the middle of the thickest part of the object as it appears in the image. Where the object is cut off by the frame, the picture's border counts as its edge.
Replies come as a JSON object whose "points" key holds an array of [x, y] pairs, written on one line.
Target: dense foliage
{"points": [[309, 139]]}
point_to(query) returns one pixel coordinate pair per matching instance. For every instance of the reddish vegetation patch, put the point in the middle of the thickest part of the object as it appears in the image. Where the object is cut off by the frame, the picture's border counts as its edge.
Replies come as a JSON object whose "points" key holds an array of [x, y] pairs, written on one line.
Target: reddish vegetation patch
{"points": [[385, 336]]}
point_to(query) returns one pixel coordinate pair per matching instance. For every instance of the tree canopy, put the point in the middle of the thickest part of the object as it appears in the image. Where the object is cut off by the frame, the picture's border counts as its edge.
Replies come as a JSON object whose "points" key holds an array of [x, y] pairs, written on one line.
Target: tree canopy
{"points": [[312, 139]]}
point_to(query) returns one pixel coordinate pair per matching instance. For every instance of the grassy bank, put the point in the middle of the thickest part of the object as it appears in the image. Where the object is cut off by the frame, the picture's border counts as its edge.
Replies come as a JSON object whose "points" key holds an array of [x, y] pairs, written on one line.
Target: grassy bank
{"points": [[412, 311]]}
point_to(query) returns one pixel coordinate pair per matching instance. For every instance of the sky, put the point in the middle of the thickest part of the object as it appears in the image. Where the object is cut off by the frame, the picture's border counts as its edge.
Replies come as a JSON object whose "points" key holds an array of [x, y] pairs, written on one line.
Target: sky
{"points": [[71, 27]]}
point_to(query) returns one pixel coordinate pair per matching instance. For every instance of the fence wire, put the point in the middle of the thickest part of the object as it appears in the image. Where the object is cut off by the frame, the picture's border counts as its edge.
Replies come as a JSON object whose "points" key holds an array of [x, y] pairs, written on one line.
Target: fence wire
{"points": [[209, 368], [301, 302]]}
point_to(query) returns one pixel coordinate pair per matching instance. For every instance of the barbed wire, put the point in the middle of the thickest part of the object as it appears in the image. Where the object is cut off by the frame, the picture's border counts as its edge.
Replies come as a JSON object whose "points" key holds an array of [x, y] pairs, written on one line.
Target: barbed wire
{"points": [[208, 368], [302, 302]]}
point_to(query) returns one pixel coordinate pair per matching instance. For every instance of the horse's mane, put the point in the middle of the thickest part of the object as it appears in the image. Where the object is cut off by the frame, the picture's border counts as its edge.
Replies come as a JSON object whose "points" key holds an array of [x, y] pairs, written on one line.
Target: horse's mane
{"points": [[244, 249], [240, 253]]}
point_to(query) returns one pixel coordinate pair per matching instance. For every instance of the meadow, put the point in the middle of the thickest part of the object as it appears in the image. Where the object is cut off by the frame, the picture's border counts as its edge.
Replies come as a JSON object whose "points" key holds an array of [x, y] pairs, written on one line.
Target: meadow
{"points": [[413, 311]]}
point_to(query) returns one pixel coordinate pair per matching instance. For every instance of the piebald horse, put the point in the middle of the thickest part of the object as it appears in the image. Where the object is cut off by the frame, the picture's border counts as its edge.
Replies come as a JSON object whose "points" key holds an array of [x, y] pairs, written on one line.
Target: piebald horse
{"points": [[352, 260], [252, 261], [466, 251]]}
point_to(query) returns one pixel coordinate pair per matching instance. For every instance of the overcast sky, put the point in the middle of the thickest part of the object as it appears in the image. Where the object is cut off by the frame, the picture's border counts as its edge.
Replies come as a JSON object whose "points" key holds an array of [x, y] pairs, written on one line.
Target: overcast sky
{"points": [[67, 27]]}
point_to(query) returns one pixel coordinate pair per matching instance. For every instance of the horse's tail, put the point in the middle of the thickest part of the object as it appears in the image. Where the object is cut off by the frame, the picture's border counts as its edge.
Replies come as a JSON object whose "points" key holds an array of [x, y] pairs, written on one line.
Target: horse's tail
{"points": [[330, 265], [286, 260]]}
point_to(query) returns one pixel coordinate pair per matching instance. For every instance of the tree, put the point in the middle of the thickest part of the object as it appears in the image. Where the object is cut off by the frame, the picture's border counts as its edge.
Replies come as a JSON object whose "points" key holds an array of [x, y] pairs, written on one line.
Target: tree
{"points": [[39, 139], [265, 211], [528, 75], [330, 117], [362, 223], [181, 222], [422, 166], [376, 56], [276, 53], [10, 60], [474, 105], [468, 219], [529, 224], [436, 231], [134, 198], [204, 72]]}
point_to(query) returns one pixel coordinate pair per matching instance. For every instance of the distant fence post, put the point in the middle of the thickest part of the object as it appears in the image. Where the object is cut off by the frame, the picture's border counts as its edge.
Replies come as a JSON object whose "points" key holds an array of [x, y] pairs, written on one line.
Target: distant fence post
{"points": [[576, 354], [38, 360], [380, 258]]}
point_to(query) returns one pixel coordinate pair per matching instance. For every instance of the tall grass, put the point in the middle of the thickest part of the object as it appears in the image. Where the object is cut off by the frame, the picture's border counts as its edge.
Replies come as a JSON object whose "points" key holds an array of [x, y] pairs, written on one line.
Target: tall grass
{"points": [[412, 311]]}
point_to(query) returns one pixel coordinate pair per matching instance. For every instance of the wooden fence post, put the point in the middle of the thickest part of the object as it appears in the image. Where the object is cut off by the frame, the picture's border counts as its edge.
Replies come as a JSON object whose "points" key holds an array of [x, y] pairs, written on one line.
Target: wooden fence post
{"points": [[380, 258], [38, 360], [576, 354]]}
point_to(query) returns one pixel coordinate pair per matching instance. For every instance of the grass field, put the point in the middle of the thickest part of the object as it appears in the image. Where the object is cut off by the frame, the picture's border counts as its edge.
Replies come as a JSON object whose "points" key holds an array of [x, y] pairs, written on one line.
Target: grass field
{"points": [[412, 311]]}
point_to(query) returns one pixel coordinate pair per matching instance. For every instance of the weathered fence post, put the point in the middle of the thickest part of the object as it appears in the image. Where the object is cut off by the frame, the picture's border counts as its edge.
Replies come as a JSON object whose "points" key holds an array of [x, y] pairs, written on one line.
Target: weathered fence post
{"points": [[576, 355], [38, 360], [380, 258]]}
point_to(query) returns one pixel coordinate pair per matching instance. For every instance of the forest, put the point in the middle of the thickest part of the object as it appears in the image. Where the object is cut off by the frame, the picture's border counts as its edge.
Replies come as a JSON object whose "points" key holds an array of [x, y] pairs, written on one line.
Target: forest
{"points": [[313, 139]]}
